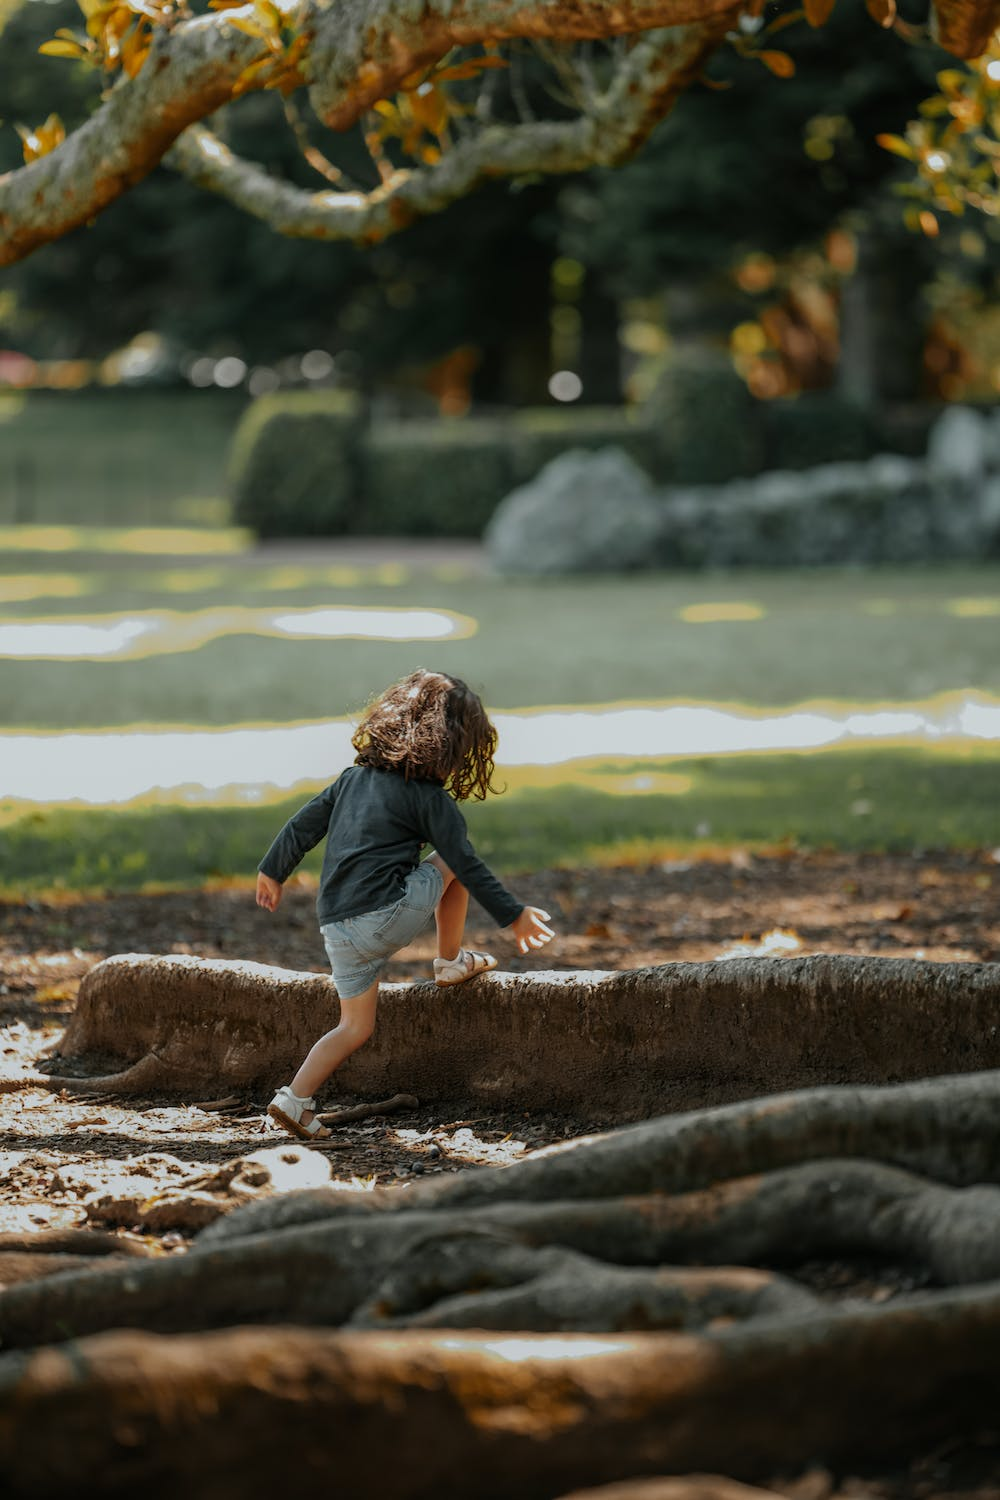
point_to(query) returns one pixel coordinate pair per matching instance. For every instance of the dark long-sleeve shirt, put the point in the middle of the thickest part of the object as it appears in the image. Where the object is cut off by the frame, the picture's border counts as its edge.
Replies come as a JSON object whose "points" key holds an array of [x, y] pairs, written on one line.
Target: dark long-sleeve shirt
{"points": [[375, 824]]}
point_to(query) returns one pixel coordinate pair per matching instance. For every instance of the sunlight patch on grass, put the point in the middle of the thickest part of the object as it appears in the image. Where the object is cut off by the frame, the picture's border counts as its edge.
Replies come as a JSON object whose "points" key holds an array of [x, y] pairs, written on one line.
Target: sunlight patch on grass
{"points": [[151, 633], [245, 763], [717, 614], [973, 609], [185, 580], [165, 541], [20, 588]]}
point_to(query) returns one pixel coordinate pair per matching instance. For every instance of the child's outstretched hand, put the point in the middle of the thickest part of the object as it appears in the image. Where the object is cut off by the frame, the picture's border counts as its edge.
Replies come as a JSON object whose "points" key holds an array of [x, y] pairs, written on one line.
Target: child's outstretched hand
{"points": [[529, 929], [268, 892]]}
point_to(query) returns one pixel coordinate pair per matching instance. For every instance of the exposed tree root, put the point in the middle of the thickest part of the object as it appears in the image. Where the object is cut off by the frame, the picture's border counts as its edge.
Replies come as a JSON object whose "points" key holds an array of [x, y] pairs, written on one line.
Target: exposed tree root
{"points": [[631, 1044], [690, 1487], [151, 1074], [448, 1282], [76, 1242], [372, 1266], [407, 1416], [947, 1129]]}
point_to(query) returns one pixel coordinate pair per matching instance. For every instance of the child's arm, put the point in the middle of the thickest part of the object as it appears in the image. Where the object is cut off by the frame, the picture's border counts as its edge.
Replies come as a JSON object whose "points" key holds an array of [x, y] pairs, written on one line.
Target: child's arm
{"points": [[446, 830], [302, 832]]}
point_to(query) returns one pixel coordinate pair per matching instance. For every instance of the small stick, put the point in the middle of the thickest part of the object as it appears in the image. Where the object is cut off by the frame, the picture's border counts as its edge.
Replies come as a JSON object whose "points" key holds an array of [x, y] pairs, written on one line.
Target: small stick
{"points": [[210, 1105], [363, 1111]]}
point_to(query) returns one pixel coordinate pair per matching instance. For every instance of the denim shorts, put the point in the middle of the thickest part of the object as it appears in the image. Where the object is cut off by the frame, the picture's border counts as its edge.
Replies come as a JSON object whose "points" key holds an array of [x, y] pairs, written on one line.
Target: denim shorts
{"points": [[359, 946]]}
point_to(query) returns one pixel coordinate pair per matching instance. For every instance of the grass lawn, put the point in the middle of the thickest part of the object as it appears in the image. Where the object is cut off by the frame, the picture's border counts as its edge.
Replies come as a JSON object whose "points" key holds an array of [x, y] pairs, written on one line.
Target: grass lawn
{"points": [[757, 641], [763, 640], [895, 799], [116, 457]]}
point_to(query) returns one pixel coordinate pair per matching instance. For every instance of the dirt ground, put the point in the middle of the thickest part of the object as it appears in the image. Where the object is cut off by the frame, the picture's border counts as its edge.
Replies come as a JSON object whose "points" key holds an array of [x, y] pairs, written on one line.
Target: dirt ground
{"points": [[161, 1169], [58, 1153]]}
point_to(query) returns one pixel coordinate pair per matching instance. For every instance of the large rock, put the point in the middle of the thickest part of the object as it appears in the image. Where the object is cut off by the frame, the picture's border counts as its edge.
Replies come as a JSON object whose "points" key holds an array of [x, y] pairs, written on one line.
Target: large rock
{"points": [[961, 443], [584, 513]]}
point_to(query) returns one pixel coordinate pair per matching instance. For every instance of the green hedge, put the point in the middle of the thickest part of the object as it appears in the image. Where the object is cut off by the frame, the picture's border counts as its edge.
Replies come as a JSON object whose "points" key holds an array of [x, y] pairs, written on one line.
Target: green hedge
{"points": [[706, 423], [295, 464], [537, 436], [818, 427], [442, 477], [307, 463]]}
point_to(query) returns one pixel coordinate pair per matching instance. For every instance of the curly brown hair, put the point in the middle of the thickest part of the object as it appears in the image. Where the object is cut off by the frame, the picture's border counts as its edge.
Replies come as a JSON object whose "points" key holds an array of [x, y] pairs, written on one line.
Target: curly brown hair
{"points": [[432, 727]]}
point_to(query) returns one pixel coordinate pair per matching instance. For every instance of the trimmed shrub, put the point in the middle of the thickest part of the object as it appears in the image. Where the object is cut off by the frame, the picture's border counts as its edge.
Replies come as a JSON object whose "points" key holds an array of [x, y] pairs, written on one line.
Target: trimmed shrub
{"points": [[442, 477], [705, 422], [538, 435], [818, 427], [295, 464]]}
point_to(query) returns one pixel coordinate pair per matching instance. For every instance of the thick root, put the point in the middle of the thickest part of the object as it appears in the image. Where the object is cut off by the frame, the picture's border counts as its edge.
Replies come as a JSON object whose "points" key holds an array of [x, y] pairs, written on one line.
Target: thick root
{"points": [[947, 1129], [631, 1044], [405, 1416], [325, 1271], [448, 1282]]}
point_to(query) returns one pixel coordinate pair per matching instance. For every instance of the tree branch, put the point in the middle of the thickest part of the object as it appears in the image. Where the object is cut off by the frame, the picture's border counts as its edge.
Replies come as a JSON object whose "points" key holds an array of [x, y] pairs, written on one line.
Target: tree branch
{"points": [[655, 72], [359, 51]]}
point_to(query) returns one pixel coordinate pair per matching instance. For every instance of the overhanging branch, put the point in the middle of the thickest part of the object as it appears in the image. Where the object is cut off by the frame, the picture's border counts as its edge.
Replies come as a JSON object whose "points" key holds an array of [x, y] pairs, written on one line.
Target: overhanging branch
{"points": [[656, 71]]}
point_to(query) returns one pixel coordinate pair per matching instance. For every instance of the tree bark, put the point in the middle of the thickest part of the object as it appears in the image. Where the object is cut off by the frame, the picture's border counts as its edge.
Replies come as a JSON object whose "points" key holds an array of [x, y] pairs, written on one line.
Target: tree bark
{"points": [[358, 51], [629, 1044], [408, 1416], [650, 1195]]}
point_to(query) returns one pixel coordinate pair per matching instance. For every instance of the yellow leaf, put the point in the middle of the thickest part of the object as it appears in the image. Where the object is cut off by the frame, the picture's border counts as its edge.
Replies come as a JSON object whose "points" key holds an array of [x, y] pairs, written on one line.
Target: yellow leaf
{"points": [[430, 108], [897, 145], [268, 14], [249, 28], [43, 139], [780, 64], [818, 11], [882, 11], [952, 81], [61, 48], [135, 50]]}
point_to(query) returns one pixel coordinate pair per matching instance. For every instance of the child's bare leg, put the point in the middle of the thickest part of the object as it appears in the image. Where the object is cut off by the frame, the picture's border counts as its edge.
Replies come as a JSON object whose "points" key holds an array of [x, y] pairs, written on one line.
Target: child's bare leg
{"points": [[357, 1022], [450, 913], [454, 964]]}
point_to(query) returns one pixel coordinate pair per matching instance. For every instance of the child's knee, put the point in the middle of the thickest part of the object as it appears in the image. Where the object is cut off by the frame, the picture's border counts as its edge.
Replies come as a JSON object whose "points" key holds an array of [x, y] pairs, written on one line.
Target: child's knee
{"points": [[357, 1029], [447, 873]]}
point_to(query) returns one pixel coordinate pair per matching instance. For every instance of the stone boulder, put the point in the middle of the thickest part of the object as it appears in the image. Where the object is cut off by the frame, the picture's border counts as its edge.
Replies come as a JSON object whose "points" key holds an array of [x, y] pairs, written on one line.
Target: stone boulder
{"points": [[584, 513], [962, 443]]}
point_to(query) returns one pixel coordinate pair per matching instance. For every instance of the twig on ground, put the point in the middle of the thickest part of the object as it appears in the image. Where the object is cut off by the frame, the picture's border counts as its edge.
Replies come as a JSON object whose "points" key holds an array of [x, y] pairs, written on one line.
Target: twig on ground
{"points": [[363, 1111]]}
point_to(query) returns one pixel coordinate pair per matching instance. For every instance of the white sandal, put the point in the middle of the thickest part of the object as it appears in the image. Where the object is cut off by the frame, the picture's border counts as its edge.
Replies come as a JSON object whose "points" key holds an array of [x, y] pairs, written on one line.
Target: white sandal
{"points": [[287, 1110], [465, 965]]}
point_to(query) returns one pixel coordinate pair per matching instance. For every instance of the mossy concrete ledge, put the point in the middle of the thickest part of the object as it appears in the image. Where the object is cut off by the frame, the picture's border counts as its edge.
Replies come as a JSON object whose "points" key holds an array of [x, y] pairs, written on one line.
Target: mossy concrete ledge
{"points": [[608, 1045]]}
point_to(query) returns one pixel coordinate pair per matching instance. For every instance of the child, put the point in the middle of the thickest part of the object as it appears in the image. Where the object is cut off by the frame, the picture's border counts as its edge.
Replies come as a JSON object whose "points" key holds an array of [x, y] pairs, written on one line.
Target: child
{"points": [[424, 738]]}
